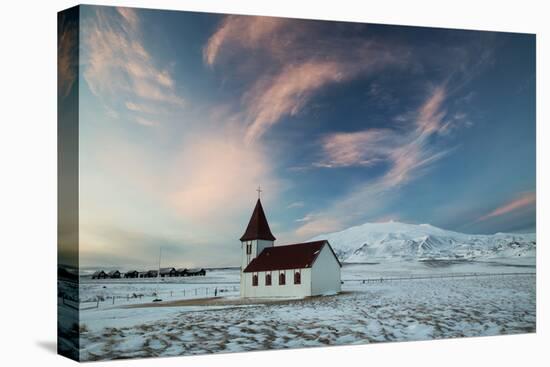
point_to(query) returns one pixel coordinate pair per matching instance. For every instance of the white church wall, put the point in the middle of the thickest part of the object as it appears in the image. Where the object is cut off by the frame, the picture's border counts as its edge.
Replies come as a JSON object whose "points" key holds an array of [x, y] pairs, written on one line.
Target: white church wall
{"points": [[288, 290], [257, 248], [325, 273]]}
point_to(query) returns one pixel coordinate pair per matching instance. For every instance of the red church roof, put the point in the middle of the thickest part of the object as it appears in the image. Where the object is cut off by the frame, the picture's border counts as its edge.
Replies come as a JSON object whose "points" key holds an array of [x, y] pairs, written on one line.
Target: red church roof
{"points": [[296, 256], [258, 228]]}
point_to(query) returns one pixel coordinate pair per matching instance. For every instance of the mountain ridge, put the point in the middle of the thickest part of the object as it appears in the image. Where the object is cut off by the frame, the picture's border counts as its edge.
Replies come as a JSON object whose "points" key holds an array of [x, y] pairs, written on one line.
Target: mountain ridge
{"points": [[403, 241]]}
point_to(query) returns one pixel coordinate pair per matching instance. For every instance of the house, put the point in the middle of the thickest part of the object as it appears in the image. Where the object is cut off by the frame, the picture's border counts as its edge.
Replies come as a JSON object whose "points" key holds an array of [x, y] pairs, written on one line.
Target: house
{"points": [[195, 272], [290, 271], [152, 273], [181, 272], [100, 274], [131, 274], [168, 272], [115, 274], [143, 274]]}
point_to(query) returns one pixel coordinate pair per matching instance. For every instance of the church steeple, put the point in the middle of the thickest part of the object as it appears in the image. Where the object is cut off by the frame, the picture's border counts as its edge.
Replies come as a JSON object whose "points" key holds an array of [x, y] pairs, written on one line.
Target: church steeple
{"points": [[258, 228]]}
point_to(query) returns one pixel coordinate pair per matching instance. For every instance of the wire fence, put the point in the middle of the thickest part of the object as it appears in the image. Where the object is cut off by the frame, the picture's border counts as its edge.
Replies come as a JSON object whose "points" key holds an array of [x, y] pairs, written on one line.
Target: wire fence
{"points": [[95, 302], [127, 298], [436, 276]]}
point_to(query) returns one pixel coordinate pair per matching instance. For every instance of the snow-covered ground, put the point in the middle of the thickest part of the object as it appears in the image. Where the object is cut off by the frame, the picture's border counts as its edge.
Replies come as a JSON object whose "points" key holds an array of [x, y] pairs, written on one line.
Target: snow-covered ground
{"points": [[365, 312]]}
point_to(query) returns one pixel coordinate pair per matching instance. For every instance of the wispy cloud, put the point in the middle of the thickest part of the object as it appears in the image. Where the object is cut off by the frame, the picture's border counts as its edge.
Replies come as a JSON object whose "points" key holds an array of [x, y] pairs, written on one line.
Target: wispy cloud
{"points": [[362, 148], [295, 69], [67, 57], [244, 32], [406, 152], [524, 201], [296, 204], [286, 93], [117, 64]]}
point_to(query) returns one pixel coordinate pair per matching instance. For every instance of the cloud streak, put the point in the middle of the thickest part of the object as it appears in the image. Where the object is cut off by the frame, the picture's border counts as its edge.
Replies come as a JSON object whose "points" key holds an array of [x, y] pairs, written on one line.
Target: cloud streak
{"points": [[406, 152], [117, 64], [526, 200], [67, 57], [295, 70], [244, 32]]}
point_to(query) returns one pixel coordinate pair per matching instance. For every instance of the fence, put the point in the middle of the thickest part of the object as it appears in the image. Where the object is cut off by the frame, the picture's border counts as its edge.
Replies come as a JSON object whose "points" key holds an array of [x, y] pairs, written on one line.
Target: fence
{"points": [[438, 276], [113, 299]]}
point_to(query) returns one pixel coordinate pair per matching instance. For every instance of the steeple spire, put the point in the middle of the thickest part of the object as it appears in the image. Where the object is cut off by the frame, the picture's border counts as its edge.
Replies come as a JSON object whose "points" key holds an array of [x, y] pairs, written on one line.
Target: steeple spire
{"points": [[258, 228]]}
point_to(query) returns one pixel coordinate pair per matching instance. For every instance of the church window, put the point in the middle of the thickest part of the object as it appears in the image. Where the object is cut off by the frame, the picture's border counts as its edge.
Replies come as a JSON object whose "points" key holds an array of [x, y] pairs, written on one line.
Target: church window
{"points": [[297, 278], [268, 279], [282, 279], [248, 248], [255, 280]]}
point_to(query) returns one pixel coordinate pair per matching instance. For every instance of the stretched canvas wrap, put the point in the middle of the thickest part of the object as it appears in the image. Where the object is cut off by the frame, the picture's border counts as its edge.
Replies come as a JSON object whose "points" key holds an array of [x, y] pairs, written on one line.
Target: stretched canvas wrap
{"points": [[235, 183]]}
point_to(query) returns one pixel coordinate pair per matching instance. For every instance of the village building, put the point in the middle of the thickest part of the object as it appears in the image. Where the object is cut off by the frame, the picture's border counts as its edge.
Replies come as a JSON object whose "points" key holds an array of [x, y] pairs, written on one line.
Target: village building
{"points": [[99, 274], [195, 272], [131, 274], [290, 271], [115, 274], [168, 272]]}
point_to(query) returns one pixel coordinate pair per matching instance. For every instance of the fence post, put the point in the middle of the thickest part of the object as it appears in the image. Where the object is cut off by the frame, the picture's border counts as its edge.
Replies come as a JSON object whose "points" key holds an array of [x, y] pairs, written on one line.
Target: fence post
{"points": [[113, 300]]}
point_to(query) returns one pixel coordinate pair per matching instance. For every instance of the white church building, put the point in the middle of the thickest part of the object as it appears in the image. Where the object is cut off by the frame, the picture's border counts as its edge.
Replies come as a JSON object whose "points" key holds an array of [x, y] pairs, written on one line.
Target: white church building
{"points": [[290, 271]]}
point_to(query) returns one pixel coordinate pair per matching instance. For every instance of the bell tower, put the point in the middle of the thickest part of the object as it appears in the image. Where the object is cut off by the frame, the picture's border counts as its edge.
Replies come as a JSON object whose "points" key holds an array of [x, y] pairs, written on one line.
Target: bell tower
{"points": [[257, 235]]}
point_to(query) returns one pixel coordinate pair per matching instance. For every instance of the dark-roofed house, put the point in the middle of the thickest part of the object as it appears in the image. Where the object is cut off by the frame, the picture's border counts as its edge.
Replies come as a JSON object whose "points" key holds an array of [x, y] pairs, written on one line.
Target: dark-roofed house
{"points": [[131, 274], [100, 274], [290, 271], [195, 272], [168, 272], [115, 274]]}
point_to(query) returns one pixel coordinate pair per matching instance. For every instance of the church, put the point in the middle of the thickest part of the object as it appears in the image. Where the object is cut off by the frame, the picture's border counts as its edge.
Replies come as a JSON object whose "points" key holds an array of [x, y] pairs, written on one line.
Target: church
{"points": [[290, 271]]}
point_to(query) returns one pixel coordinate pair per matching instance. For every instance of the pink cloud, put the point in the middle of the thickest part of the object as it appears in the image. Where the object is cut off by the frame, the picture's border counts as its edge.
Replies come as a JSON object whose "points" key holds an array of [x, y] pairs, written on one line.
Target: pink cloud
{"points": [[244, 31], [292, 70], [362, 148], [66, 57], [405, 151], [430, 114], [286, 94], [118, 64], [522, 202]]}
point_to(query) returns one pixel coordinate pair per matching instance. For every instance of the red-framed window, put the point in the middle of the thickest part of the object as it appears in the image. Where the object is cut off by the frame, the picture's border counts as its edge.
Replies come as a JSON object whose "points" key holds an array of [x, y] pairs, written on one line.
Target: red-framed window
{"points": [[282, 279], [297, 278], [268, 279], [255, 280]]}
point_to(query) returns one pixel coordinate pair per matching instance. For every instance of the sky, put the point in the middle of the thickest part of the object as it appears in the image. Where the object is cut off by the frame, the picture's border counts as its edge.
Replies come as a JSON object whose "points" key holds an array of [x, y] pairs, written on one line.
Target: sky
{"points": [[182, 115]]}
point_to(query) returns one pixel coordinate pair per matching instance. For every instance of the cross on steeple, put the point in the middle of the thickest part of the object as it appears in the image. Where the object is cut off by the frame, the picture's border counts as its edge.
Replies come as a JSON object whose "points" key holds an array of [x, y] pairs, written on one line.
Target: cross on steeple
{"points": [[259, 189]]}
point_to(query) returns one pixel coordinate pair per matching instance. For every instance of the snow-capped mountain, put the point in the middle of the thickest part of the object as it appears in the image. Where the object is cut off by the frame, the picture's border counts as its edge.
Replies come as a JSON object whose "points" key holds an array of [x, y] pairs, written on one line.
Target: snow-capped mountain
{"points": [[401, 241]]}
